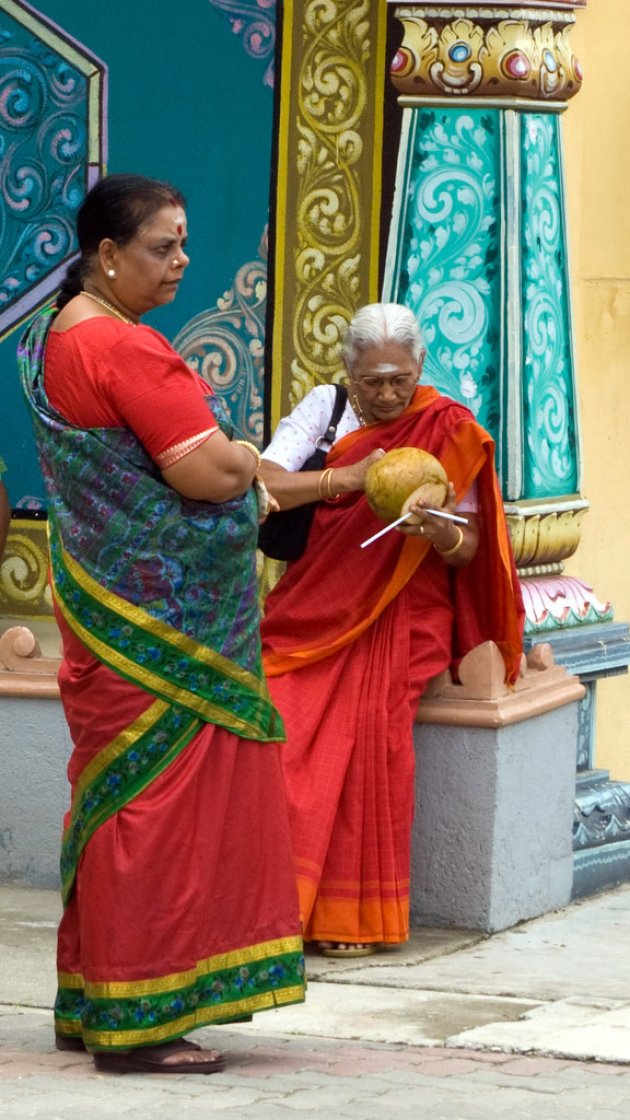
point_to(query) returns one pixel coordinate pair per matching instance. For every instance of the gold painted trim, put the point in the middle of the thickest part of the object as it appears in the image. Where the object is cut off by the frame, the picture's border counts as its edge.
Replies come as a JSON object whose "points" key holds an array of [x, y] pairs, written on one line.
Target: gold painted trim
{"points": [[281, 204], [127, 989], [518, 104], [377, 154]]}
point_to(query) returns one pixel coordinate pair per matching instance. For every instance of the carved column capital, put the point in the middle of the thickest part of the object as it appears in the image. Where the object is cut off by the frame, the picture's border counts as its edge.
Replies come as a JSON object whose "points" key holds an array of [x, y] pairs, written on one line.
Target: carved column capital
{"points": [[501, 50]]}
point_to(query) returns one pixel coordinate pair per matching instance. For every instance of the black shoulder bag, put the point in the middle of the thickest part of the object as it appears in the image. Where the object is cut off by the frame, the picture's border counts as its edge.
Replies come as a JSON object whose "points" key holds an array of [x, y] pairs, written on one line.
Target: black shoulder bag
{"points": [[283, 535]]}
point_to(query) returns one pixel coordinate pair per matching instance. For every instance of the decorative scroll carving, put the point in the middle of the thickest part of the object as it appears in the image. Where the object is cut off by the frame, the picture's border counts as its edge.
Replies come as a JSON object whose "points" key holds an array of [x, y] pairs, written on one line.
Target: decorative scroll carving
{"points": [[24, 670], [255, 21], [50, 142], [332, 100], [484, 52], [328, 187], [550, 465], [450, 252], [24, 590], [20, 652], [602, 814], [226, 346]]}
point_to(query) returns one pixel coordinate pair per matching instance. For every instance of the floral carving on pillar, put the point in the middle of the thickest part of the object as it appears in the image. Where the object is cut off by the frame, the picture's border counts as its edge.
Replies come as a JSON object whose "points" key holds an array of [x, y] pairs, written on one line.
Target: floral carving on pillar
{"points": [[255, 21]]}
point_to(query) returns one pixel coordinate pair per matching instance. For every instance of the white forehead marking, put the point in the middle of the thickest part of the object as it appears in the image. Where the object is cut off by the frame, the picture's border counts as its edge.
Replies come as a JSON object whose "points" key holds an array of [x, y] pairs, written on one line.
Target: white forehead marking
{"points": [[384, 367]]}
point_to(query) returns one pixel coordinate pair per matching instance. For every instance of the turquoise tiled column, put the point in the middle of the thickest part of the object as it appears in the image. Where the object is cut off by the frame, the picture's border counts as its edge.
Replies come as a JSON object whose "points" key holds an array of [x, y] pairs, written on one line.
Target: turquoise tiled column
{"points": [[478, 249]]}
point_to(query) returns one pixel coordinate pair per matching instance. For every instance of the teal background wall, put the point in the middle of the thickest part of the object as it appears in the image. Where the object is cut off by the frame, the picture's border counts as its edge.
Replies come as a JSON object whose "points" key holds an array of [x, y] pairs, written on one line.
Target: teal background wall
{"points": [[188, 103]]}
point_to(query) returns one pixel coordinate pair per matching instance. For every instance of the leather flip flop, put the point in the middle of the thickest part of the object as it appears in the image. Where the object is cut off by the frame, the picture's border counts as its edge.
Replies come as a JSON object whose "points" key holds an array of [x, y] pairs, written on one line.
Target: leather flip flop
{"points": [[150, 1059]]}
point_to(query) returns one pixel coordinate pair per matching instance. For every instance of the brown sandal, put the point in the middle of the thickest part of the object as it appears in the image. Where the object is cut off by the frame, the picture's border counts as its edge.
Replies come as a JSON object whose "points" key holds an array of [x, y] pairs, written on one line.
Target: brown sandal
{"points": [[150, 1059]]}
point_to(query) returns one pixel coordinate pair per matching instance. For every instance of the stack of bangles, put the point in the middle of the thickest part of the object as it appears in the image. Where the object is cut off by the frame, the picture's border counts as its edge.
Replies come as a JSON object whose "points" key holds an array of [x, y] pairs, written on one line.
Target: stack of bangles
{"points": [[324, 486]]}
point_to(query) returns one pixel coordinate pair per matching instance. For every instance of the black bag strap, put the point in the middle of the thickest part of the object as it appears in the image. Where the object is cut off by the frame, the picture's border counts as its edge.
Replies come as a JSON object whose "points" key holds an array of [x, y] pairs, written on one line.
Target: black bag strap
{"points": [[341, 397]]}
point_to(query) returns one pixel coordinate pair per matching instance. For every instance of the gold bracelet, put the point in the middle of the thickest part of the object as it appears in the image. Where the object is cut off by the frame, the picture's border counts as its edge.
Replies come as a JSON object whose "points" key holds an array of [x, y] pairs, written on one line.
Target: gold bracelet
{"points": [[320, 483], [250, 447], [330, 496], [325, 484], [456, 547]]}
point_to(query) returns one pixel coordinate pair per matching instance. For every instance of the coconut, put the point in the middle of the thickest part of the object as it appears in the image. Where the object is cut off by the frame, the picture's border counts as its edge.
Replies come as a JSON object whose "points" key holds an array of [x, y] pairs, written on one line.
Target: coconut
{"points": [[402, 476]]}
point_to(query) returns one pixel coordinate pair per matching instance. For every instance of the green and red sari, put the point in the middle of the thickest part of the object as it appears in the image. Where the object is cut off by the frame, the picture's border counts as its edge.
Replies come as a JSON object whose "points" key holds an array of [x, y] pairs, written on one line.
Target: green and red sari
{"points": [[180, 902], [351, 638]]}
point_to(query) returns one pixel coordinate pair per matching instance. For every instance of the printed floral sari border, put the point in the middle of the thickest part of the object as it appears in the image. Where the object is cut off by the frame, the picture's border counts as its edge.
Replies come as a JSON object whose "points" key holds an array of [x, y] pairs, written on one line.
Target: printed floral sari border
{"points": [[262, 722], [270, 979], [127, 771], [235, 958]]}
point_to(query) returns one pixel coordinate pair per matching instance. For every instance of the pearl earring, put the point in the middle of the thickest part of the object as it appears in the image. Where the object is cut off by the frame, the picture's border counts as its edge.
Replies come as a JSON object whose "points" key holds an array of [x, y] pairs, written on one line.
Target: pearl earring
{"points": [[111, 272]]}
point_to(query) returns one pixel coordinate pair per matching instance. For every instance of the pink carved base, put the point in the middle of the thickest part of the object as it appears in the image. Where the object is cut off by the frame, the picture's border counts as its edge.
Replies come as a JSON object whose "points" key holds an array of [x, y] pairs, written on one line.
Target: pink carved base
{"points": [[552, 602]]}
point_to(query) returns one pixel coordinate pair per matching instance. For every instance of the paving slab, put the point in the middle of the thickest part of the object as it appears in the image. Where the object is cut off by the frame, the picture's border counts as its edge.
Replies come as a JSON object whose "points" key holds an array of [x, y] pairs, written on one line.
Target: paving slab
{"points": [[392, 1015], [271, 1078], [582, 950], [558, 985], [568, 1028]]}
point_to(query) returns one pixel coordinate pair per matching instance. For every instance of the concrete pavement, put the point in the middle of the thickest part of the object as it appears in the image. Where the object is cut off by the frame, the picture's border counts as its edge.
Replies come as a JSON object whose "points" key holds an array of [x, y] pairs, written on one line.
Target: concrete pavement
{"points": [[534, 1021]]}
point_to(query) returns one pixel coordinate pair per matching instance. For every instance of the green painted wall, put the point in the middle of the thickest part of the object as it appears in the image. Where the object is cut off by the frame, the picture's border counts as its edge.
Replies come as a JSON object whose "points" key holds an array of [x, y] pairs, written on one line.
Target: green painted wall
{"points": [[186, 103]]}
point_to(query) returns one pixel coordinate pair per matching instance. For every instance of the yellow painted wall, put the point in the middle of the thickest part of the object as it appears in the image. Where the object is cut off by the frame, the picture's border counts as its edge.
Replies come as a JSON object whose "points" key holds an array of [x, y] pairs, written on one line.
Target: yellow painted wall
{"points": [[597, 164]]}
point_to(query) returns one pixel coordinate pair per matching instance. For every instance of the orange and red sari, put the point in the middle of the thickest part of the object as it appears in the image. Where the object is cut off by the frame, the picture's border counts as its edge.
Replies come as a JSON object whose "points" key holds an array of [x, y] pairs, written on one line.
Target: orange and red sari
{"points": [[351, 637]]}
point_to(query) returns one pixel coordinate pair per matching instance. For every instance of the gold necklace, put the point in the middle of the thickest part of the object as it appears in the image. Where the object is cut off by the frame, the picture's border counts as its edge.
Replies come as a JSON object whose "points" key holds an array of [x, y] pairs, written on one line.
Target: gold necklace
{"points": [[356, 404], [109, 306]]}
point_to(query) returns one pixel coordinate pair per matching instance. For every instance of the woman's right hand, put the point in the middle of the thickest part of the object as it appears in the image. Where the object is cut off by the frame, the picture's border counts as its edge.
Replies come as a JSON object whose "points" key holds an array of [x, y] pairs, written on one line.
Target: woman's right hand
{"points": [[347, 479], [296, 488]]}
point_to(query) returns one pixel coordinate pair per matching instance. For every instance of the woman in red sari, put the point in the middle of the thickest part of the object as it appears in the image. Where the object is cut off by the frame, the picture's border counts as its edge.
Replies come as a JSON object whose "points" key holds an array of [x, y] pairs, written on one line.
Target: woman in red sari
{"points": [[351, 636], [173, 920]]}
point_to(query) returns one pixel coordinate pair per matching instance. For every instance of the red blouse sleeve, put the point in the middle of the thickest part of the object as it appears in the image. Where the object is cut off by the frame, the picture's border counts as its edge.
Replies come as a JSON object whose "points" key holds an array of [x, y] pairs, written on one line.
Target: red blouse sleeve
{"points": [[110, 375]]}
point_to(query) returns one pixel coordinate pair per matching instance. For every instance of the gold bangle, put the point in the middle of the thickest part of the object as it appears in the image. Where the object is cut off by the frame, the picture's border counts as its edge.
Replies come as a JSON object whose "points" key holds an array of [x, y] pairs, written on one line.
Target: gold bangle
{"points": [[324, 486], [456, 547], [250, 447], [330, 496]]}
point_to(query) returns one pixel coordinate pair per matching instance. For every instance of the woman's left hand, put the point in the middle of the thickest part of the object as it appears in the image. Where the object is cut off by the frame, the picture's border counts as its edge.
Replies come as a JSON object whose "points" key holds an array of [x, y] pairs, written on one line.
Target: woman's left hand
{"points": [[444, 535], [266, 502]]}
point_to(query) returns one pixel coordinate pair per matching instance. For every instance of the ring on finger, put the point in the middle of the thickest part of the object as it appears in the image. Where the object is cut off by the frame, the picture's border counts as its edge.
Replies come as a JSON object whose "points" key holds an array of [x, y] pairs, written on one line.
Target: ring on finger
{"points": [[422, 530]]}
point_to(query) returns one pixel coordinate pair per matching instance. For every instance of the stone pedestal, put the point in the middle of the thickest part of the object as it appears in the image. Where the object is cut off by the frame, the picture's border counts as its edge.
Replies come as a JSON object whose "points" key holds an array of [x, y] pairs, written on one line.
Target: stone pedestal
{"points": [[495, 793]]}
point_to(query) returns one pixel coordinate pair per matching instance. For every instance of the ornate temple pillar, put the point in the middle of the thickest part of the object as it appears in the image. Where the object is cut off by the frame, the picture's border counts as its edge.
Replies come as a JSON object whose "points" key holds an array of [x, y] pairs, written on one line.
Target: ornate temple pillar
{"points": [[478, 249]]}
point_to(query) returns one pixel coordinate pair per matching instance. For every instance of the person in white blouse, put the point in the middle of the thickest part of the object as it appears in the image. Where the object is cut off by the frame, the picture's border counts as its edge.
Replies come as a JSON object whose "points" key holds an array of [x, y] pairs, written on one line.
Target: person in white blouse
{"points": [[352, 636]]}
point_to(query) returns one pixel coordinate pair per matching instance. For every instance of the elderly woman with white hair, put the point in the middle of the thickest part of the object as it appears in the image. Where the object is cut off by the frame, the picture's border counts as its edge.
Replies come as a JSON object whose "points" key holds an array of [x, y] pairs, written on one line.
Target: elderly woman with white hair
{"points": [[352, 637]]}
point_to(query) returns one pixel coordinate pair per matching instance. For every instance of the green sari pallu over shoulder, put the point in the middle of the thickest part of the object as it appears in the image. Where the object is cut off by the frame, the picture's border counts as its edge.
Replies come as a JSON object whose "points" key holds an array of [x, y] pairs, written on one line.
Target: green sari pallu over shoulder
{"points": [[162, 591]]}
